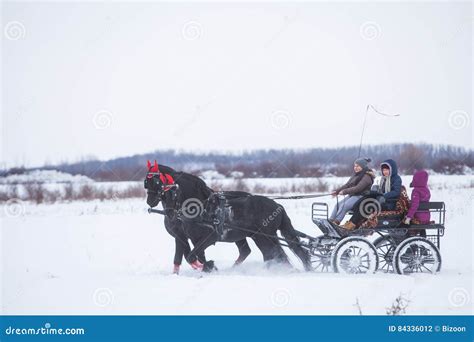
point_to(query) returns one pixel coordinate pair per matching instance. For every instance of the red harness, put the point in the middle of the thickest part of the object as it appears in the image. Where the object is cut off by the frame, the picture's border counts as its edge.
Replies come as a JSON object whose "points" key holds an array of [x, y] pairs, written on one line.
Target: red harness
{"points": [[166, 179]]}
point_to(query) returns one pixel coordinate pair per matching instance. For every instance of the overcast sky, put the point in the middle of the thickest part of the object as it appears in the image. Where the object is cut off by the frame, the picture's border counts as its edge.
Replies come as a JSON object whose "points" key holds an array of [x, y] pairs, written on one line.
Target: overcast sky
{"points": [[113, 79]]}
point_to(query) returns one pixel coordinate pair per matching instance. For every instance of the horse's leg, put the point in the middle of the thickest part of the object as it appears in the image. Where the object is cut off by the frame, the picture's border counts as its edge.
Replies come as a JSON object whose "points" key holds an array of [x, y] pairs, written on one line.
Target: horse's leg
{"points": [[202, 254], [199, 248], [262, 246], [278, 253], [271, 249], [292, 238], [244, 251], [182, 249]]}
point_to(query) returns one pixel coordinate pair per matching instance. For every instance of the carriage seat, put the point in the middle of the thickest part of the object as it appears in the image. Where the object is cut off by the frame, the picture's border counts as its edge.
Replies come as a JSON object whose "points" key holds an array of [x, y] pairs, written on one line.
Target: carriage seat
{"points": [[403, 203]]}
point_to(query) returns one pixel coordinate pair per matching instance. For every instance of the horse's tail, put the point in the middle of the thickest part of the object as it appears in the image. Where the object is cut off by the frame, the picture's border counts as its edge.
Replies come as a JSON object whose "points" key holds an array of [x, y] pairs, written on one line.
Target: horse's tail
{"points": [[292, 238]]}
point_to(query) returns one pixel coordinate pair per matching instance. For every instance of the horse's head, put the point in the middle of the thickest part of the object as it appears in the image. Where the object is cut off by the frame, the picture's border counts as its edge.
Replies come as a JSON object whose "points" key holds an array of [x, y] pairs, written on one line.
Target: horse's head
{"points": [[158, 185]]}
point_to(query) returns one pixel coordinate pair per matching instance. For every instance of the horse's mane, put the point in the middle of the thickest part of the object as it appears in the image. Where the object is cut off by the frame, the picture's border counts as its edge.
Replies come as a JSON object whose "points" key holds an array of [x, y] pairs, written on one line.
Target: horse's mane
{"points": [[167, 169], [187, 180]]}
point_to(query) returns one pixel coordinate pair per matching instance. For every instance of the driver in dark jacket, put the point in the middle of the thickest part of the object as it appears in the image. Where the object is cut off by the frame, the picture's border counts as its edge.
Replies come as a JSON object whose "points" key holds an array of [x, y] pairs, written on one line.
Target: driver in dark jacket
{"points": [[358, 185]]}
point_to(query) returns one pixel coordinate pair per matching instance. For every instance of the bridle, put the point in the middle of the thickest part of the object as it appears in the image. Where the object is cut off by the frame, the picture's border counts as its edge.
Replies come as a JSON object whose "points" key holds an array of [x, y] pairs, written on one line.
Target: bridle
{"points": [[167, 183], [159, 184]]}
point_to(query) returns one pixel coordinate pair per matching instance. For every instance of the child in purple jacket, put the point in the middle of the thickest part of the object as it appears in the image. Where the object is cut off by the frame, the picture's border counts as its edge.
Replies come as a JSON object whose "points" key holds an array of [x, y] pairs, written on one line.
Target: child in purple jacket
{"points": [[420, 193]]}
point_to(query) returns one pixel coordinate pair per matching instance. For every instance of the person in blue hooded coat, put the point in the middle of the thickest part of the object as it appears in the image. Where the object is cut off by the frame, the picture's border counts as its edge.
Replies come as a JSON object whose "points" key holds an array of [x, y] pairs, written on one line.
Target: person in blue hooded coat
{"points": [[390, 184], [387, 195]]}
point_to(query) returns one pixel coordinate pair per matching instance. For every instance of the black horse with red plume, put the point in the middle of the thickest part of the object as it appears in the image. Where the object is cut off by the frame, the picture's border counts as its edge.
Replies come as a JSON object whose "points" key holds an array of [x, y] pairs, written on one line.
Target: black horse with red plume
{"points": [[196, 212], [159, 181]]}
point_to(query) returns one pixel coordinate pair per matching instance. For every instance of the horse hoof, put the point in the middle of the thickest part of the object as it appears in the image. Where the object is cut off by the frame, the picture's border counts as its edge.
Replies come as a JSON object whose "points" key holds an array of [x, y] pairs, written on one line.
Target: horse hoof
{"points": [[237, 262], [209, 266], [197, 265]]}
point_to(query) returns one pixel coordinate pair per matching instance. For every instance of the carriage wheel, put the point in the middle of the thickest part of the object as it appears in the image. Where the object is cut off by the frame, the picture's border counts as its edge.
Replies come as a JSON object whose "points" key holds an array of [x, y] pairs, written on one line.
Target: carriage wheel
{"points": [[416, 255], [321, 260], [355, 255], [385, 246]]}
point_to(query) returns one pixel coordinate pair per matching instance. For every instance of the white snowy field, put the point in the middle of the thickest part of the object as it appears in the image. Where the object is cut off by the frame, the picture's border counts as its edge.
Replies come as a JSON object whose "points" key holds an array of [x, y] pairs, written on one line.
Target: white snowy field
{"points": [[111, 257]]}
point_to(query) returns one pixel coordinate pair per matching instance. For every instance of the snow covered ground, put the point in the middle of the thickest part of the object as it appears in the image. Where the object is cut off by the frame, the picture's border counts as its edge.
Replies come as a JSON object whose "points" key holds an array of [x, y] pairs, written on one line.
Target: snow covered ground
{"points": [[44, 176], [111, 257]]}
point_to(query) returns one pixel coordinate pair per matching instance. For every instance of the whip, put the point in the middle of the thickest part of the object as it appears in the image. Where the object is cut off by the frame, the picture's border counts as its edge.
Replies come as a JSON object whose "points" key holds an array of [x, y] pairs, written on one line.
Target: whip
{"points": [[369, 106]]}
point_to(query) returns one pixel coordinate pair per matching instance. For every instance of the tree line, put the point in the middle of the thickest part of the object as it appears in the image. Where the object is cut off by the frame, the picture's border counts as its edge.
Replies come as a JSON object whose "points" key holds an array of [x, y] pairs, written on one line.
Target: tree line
{"points": [[274, 163]]}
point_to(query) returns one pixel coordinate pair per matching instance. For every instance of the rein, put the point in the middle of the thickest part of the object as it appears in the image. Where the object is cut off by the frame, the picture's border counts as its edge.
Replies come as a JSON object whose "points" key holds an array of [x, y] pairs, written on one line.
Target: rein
{"points": [[157, 211], [298, 196], [231, 226]]}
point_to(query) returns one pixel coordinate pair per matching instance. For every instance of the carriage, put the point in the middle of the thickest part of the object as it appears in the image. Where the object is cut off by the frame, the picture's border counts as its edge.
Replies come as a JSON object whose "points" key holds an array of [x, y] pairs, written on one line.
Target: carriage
{"points": [[397, 247], [383, 242], [388, 245]]}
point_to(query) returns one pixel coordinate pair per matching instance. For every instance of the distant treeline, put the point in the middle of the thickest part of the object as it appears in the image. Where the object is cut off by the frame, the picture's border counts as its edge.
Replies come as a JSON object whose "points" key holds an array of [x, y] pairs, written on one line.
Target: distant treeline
{"points": [[314, 162]]}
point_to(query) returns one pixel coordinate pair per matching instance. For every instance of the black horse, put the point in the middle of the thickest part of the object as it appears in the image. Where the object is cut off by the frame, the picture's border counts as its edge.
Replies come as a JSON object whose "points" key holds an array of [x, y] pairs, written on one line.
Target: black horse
{"points": [[187, 198], [174, 225]]}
